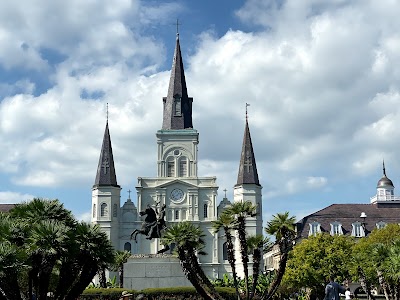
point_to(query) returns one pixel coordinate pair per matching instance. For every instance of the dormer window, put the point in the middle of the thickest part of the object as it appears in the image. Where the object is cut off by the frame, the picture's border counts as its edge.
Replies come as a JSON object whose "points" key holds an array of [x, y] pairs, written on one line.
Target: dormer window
{"points": [[357, 229], [380, 225], [315, 228], [177, 106], [336, 228]]}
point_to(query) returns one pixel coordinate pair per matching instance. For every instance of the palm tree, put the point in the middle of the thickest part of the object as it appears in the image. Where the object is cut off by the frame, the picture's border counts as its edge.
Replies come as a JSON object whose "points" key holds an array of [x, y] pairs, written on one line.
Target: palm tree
{"points": [[240, 211], [228, 223], [121, 257], [45, 246], [188, 240], [256, 245], [92, 251], [283, 228]]}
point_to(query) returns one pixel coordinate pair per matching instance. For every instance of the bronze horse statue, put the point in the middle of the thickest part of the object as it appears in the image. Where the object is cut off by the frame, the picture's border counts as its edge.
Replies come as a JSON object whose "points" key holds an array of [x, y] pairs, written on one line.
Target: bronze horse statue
{"points": [[153, 224]]}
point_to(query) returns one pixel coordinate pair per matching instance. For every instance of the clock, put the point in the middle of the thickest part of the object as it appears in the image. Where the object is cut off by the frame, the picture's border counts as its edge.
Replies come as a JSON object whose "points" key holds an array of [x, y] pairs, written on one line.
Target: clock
{"points": [[177, 195]]}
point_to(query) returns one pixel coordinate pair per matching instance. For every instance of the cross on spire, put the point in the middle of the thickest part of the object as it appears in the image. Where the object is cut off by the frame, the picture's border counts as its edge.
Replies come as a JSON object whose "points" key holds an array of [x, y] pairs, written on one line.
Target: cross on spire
{"points": [[107, 111], [247, 163], [177, 26], [225, 193], [247, 104], [129, 193], [105, 165]]}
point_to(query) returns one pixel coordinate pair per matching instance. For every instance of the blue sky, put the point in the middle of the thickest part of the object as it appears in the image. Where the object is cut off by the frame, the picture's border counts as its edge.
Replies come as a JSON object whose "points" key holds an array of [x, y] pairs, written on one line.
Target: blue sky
{"points": [[321, 77]]}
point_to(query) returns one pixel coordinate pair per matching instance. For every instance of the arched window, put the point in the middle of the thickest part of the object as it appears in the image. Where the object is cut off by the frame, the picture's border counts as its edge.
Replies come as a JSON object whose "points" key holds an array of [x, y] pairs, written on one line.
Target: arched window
{"points": [[177, 215], [183, 167], [206, 210], [94, 210], [103, 210], [171, 168], [225, 251], [127, 247], [115, 210]]}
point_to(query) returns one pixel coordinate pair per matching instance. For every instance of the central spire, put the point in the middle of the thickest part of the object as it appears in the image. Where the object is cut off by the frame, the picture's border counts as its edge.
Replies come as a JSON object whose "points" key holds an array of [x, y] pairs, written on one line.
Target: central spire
{"points": [[177, 105]]}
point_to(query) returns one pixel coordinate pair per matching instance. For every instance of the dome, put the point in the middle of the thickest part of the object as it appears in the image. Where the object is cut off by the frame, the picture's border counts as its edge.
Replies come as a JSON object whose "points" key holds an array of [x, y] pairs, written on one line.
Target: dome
{"points": [[384, 181]]}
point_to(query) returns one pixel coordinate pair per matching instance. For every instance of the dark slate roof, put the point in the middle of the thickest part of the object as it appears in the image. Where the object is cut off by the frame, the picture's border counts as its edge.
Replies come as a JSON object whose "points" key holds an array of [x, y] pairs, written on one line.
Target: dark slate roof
{"points": [[247, 167], [347, 214], [177, 89], [106, 170], [6, 207]]}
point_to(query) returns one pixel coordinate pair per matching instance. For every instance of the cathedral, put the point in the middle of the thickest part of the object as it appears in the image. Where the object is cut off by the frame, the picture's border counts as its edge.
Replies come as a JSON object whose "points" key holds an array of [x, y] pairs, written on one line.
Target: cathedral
{"points": [[177, 185]]}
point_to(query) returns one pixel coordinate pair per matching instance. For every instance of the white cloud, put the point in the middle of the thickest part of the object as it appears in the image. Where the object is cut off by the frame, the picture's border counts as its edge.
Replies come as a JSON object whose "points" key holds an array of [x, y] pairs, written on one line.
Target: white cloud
{"points": [[14, 197]]}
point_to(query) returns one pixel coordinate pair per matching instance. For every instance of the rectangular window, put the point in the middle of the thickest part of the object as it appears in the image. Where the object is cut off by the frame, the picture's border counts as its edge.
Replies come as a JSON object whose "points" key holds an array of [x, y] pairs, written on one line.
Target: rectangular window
{"points": [[178, 111], [171, 169], [357, 230], [177, 215], [183, 168]]}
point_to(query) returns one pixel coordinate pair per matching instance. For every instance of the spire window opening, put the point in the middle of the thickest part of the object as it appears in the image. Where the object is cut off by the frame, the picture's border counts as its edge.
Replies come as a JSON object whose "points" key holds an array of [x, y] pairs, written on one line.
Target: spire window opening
{"points": [[177, 106]]}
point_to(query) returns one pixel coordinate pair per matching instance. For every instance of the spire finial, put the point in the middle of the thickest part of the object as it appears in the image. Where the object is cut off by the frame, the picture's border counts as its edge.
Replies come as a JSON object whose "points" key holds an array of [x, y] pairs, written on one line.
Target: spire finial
{"points": [[225, 192], [107, 111], [129, 193], [177, 28], [384, 170], [247, 104]]}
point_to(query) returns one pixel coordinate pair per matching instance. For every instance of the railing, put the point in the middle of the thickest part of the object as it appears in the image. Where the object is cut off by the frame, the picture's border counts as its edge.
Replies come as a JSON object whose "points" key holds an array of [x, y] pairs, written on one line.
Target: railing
{"points": [[385, 198]]}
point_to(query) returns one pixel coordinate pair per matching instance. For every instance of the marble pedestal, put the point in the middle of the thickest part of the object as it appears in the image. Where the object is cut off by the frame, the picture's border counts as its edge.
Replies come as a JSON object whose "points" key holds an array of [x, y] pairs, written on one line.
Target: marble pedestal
{"points": [[143, 271]]}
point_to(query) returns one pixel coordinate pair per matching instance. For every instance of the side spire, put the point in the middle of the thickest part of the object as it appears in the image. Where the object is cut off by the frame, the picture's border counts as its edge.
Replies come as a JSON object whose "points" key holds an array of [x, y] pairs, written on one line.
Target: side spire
{"points": [[177, 105], [247, 168], [106, 170]]}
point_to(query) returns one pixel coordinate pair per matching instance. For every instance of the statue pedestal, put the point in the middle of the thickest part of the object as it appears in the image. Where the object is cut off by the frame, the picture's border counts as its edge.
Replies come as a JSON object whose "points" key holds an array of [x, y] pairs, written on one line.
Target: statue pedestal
{"points": [[143, 271]]}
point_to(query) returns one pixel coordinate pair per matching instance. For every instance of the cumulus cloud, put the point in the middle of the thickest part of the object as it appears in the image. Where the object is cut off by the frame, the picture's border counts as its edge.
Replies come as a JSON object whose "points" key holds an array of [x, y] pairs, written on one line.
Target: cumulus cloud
{"points": [[321, 79], [9, 197]]}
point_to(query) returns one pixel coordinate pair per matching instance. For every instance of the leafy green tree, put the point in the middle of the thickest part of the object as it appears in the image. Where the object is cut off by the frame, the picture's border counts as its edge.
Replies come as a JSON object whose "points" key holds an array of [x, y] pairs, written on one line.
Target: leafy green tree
{"points": [[188, 240], [121, 257], [228, 223], [314, 259], [375, 261], [283, 228], [241, 211]]}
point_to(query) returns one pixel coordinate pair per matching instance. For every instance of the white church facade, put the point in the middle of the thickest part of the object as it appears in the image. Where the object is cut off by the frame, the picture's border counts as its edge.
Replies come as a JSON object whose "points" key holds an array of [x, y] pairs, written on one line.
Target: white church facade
{"points": [[177, 185]]}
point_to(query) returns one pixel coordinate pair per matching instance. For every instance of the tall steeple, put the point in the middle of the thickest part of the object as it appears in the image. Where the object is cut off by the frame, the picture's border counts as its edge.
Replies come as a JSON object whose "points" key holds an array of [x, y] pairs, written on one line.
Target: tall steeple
{"points": [[177, 105], [247, 167], [106, 171]]}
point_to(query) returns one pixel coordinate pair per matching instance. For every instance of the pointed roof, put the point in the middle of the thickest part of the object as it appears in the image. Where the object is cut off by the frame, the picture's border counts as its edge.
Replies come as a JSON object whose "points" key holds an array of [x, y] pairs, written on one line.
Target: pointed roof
{"points": [[247, 167], [106, 170], [180, 118], [384, 181]]}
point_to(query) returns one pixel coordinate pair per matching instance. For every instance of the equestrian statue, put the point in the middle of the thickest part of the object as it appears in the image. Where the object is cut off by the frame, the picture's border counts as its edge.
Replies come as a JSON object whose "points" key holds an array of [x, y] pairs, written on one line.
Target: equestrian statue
{"points": [[153, 225]]}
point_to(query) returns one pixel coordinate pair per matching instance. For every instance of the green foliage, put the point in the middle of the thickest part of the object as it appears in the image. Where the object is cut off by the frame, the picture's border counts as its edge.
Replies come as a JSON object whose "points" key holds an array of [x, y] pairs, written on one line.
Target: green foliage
{"points": [[42, 246], [154, 293], [315, 258]]}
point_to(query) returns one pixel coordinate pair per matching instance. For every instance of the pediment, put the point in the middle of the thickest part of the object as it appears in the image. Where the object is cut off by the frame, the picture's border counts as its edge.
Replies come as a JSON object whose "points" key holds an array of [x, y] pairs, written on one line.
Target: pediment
{"points": [[176, 182]]}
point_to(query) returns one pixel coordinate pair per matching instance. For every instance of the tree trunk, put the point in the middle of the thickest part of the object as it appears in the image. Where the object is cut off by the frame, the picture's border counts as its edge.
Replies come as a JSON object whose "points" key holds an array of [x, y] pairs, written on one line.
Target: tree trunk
{"points": [[365, 284], [102, 278], [256, 270], [268, 293], [121, 276], [231, 259], [383, 283], [243, 252]]}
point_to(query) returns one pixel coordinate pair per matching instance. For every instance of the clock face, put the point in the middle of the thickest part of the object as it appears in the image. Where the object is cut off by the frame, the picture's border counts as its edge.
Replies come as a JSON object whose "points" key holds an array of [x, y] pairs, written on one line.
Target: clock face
{"points": [[177, 194]]}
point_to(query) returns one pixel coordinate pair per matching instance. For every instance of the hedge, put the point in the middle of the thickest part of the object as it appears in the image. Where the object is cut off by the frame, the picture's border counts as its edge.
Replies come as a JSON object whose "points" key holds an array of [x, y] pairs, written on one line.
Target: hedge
{"points": [[173, 293]]}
